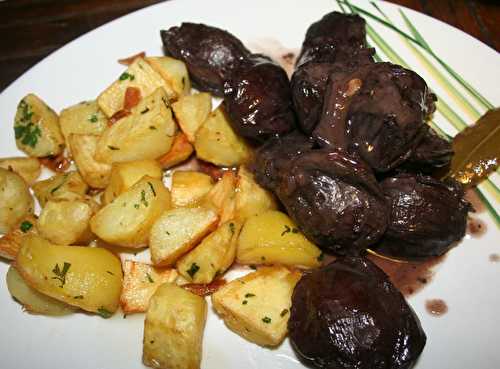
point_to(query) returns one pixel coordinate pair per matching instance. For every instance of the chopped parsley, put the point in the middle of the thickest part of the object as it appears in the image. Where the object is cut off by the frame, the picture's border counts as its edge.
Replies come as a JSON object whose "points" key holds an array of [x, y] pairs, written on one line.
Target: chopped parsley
{"points": [[245, 302], [283, 312], [93, 118], [193, 270], [136, 206], [124, 76], [288, 230], [143, 198], [231, 227], [107, 271], [150, 280], [104, 313], [79, 297], [61, 273], [248, 295], [152, 189], [24, 129], [26, 226], [266, 320], [145, 111], [114, 148]]}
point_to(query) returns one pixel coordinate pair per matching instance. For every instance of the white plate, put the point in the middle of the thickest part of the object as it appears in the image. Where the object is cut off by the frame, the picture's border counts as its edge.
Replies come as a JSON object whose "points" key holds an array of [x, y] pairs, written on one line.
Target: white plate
{"points": [[466, 337]]}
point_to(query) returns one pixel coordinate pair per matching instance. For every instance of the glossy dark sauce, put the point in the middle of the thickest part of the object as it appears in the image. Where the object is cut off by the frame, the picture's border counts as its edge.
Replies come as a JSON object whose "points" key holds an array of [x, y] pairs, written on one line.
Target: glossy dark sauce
{"points": [[409, 277], [436, 307], [476, 227]]}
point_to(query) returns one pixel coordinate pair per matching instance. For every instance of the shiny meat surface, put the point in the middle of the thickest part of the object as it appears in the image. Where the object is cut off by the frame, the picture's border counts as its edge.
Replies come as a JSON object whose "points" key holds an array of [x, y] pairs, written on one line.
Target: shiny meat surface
{"points": [[258, 100], [210, 53], [334, 199], [349, 315], [427, 216], [376, 112]]}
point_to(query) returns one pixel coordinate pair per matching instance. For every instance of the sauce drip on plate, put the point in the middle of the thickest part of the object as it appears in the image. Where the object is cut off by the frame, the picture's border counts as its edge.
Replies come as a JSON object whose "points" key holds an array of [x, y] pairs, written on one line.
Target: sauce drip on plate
{"points": [[436, 307]]}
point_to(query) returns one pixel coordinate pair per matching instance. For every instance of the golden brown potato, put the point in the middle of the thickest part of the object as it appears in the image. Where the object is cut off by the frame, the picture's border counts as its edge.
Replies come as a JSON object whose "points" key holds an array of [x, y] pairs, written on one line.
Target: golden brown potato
{"points": [[138, 75], [189, 188], [180, 151], [173, 329], [10, 243], [250, 198], [69, 185], [221, 197], [84, 118], [217, 143], [33, 301], [147, 133], [28, 168], [125, 175], [140, 281], [16, 201], [257, 305], [36, 127], [87, 277], [273, 238], [174, 73], [83, 147], [127, 220], [191, 112], [67, 222], [213, 256], [177, 231]]}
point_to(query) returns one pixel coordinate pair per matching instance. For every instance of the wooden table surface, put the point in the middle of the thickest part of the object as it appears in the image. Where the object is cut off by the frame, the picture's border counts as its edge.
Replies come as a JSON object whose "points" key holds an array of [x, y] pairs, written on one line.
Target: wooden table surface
{"points": [[32, 29]]}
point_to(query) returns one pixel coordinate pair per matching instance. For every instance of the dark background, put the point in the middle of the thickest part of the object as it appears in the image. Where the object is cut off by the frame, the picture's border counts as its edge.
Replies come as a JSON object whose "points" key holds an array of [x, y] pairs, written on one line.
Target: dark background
{"points": [[32, 29]]}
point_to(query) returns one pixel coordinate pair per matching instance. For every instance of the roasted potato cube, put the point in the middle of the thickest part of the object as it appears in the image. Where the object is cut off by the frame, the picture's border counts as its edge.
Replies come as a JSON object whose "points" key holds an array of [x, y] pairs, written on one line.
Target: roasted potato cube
{"points": [[188, 188], [87, 277], [173, 329], [147, 133], [221, 197], [93, 172], [10, 243], [177, 231], [84, 118], [69, 186], [180, 151], [273, 238], [140, 281], [214, 255], [33, 301], [36, 127], [127, 220], [66, 222], [250, 198], [28, 168], [125, 175], [257, 305], [139, 75], [217, 143], [174, 73], [191, 111], [16, 201]]}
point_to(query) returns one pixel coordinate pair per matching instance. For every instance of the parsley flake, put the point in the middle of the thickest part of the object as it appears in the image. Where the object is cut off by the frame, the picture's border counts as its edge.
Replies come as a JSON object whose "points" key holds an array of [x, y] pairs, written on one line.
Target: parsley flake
{"points": [[114, 148], [93, 118], [152, 189], [26, 226], [193, 270], [249, 295], [124, 76], [287, 230], [61, 273], [232, 227], [149, 278], [104, 313], [245, 302], [283, 312], [79, 297], [266, 320], [143, 198]]}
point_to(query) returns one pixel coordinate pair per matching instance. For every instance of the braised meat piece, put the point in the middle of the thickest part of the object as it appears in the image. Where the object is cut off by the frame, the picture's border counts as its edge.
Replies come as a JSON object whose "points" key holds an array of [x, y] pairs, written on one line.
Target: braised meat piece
{"points": [[310, 79], [334, 199], [273, 158], [334, 29], [349, 315], [376, 112], [431, 153], [258, 100], [427, 216], [210, 53]]}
